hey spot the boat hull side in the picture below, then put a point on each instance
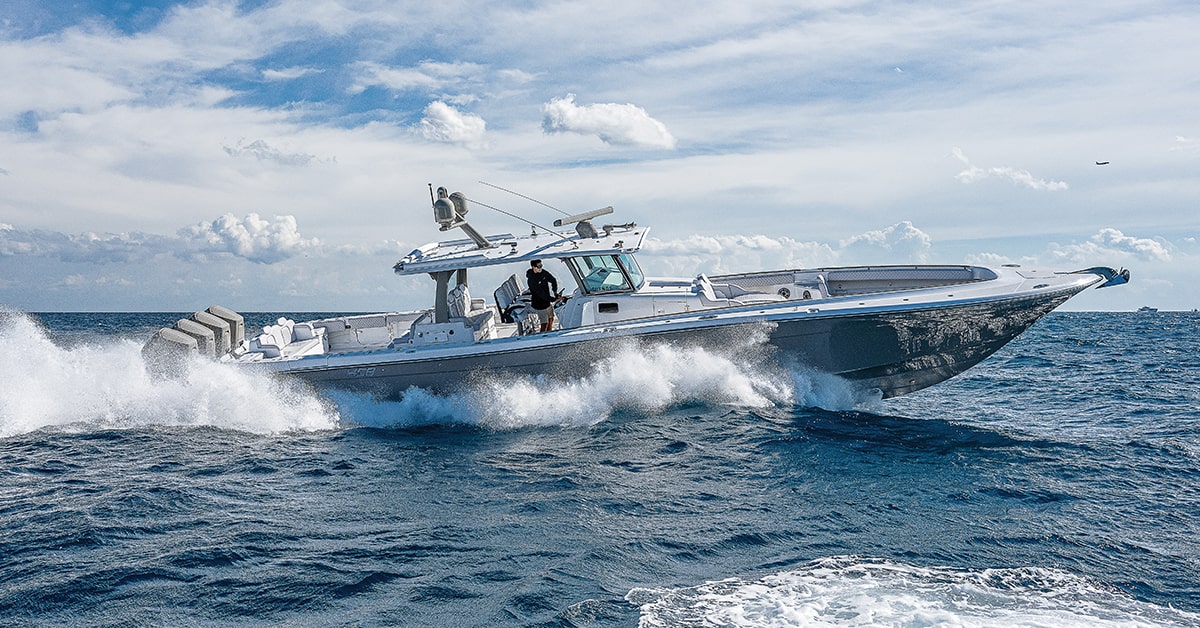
(901, 352)
(894, 351)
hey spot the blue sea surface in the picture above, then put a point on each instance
(1055, 484)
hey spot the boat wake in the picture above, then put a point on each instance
(642, 378)
(105, 385)
(854, 591)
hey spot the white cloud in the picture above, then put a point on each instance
(1186, 145)
(88, 66)
(519, 77)
(426, 76)
(263, 151)
(372, 74)
(902, 239)
(974, 173)
(87, 248)
(1145, 248)
(730, 253)
(1113, 243)
(717, 245)
(443, 123)
(287, 74)
(899, 243)
(993, 259)
(625, 125)
(804, 118)
(253, 238)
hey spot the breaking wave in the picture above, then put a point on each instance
(853, 591)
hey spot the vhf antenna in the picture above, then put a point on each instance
(528, 198)
(529, 222)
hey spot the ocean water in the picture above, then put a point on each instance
(1056, 484)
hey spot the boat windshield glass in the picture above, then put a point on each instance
(632, 269)
(600, 273)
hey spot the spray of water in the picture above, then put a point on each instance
(106, 386)
(640, 377)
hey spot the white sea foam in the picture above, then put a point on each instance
(106, 386)
(640, 377)
(852, 591)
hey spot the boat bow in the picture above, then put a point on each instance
(1111, 277)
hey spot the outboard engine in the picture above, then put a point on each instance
(237, 324)
(219, 329)
(214, 333)
(205, 338)
(166, 353)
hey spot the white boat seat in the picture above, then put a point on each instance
(742, 295)
(482, 324)
(286, 337)
(473, 313)
(458, 300)
(460, 303)
(306, 331)
(267, 344)
(708, 295)
(286, 326)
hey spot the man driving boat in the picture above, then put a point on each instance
(543, 290)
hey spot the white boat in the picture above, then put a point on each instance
(890, 329)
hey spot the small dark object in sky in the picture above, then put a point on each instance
(1101, 163)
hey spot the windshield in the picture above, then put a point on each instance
(600, 273)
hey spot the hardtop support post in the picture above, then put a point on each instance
(441, 309)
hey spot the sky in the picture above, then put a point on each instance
(277, 155)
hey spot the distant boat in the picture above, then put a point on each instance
(1147, 309)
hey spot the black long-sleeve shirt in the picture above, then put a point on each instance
(542, 288)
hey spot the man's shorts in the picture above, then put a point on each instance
(544, 315)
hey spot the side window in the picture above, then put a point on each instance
(631, 267)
